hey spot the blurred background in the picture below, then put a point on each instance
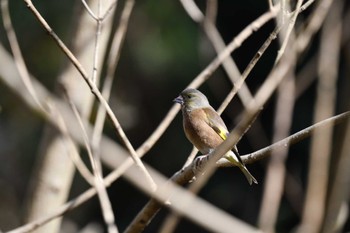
(163, 51)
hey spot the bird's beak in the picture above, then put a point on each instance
(179, 100)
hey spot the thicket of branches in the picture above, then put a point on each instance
(86, 130)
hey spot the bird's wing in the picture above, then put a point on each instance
(218, 125)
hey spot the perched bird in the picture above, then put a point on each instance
(204, 127)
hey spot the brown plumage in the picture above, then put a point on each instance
(204, 127)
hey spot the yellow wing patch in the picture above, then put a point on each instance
(222, 132)
(215, 122)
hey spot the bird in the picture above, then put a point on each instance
(205, 129)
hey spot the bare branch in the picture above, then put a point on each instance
(315, 21)
(321, 145)
(290, 140)
(88, 9)
(289, 30)
(248, 69)
(106, 206)
(96, 56)
(276, 169)
(95, 91)
(73, 151)
(338, 197)
(21, 66)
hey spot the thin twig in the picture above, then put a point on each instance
(96, 167)
(105, 14)
(83, 170)
(88, 9)
(248, 69)
(306, 5)
(17, 55)
(113, 57)
(289, 30)
(290, 140)
(315, 21)
(97, 132)
(109, 9)
(111, 68)
(252, 63)
(96, 57)
(228, 64)
(95, 91)
(192, 10)
(208, 25)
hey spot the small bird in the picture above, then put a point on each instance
(205, 129)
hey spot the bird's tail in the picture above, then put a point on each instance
(236, 160)
(247, 174)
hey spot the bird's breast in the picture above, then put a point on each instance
(198, 131)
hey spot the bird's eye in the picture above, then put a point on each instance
(189, 96)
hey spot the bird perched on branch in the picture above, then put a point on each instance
(205, 129)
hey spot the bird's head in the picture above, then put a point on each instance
(192, 99)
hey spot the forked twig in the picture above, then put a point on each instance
(106, 206)
(113, 57)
